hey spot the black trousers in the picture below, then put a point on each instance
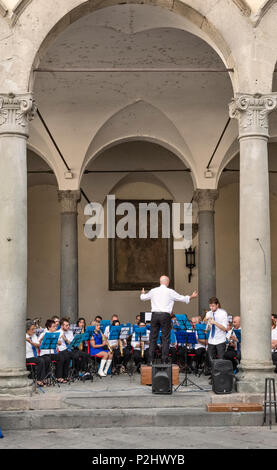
(122, 360)
(216, 351)
(138, 359)
(62, 360)
(42, 366)
(160, 320)
(231, 355)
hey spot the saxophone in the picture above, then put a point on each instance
(107, 342)
(142, 348)
(120, 346)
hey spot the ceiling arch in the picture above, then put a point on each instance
(140, 121)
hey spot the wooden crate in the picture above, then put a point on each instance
(234, 407)
(146, 375)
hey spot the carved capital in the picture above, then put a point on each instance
(205, 198)
(15, 113)
(252, 113)
(69, 200)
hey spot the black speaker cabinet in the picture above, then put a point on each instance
(162, 379)
(222, 376)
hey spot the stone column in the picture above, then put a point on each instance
(255, 267)
(205, 199)
(15, 112)
(69, 254)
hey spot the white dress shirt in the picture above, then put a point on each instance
(135, 343)
(273, 336)
(162, 299)
(221, 317)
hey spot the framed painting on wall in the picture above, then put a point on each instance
(135, 263)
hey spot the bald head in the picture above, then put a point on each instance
(236, 322)
(164, 281)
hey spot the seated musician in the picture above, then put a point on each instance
(99, 348)
(81, 325)
(232, 352)
(173, 347)
(61, 361)
(122, 351)
(32, 347)
(140, 347)
(79, 358)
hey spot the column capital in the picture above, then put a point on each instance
(205, 198)
(15, 113)
(252, 112)
(69, 200)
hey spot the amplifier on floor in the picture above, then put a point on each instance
(162, 379)
(222, 376)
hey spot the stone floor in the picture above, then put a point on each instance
(234, 437)
(122, 397)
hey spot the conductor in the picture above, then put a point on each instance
(162, 301)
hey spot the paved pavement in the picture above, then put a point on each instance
(144, 438)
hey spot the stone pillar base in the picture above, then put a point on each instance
(15, 382)
(253, 380)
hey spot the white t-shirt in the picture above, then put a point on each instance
(69, 335)
(162, 299)
(274, 336)
(145, 339)
(29, 349)
(221, 317)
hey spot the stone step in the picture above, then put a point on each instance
(105, 418)
(118, 401)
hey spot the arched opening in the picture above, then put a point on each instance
(43, 239)
(227, 229)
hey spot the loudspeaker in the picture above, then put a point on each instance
(222, 376)
(162, 379)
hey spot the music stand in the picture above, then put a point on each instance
(77, 340)
(186, 337)
(50, 341)
(203, 333)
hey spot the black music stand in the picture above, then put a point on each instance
(50, 341)
(189, 338)
(203, 333)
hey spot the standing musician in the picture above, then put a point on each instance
(218, 321)
(140, 347)
(99, 348)
(162, 301)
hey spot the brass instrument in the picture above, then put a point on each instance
(142, 348)
(107, 342)
(36, 322)
(120, 346)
